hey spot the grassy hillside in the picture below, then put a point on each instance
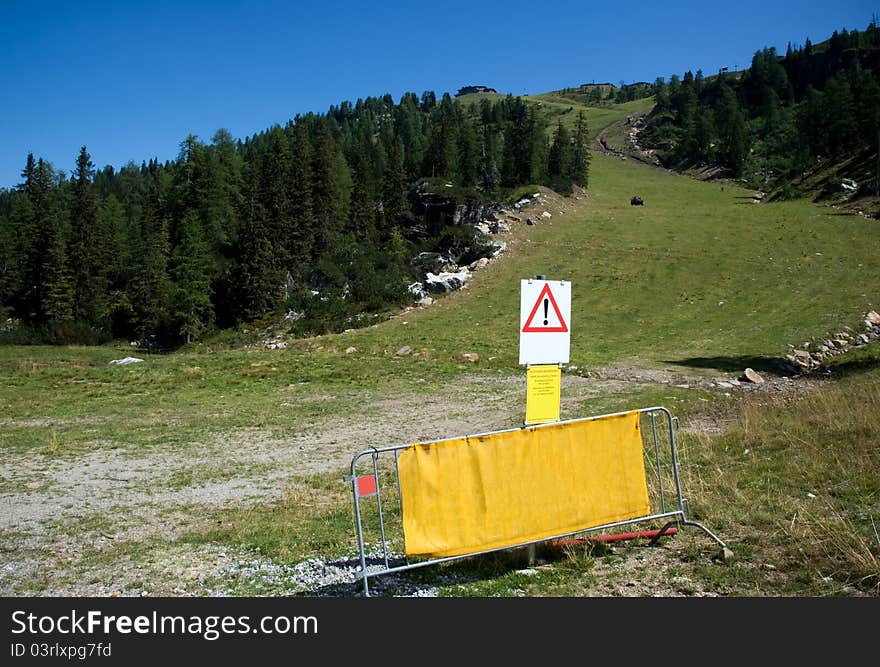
(699, 271)
(176, 471)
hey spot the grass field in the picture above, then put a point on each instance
(175, 475)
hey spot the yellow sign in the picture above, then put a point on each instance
(492, 491)
(542, 394)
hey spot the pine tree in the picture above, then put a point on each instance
(580, 165)
(86, 245)
(327, 190)
(362, 210)
(394, 205)
(468, 156)
(58, 289)
(560, 159)
(732, 132)
(191, 269)
(151, 290)
(302, 214)
(257, 282)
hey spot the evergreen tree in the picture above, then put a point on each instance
(191, 269)
(327, 189)
(468, 155)
(580, 165)
(301, 208)
(362, 211)
(151, 289)
(87, 246)
(394, 204)
(560, 159)
(732, 132)
(257, 281)
(58, 290)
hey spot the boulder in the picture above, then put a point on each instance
(546, 214)
(417, 290)
(402, 352)
(471, 356)
(351, 350)
(446, 282)
(873, 317)
(479, 264)
(752, 376)
(126, 361)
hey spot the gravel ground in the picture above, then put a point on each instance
(63, 520)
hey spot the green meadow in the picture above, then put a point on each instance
(224, 448)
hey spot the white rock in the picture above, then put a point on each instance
(127, 360)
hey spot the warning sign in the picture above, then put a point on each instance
(545, 322)
(551, 321)
(543, 390)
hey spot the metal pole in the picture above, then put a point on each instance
(531, 550)
(379, 504)
(657, 458)
(360, 532)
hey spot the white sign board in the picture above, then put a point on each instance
(544, 322)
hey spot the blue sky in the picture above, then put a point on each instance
(131, 79)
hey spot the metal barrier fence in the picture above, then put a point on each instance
(666, 498)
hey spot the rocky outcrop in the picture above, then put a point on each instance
(446, 282)
(811, 355)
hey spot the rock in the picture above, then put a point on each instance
(546, 214)
(529, 221)
(498, 248)
(752, 376)
(417, 290)
(446, 282)
(841, 343)
(873, 317)
(725, 385)
(275, 345)
(126, 361)
(801, 354)
(351, 350)
(402, 352)
(479, 264)
(425, 301)
(725, 554)
(522, 202)
(499, 228)
(864, 338)
(471, 356)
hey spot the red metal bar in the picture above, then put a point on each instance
(614, 538)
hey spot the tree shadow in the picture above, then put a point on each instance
(731, 364)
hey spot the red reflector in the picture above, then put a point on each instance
(366, 485)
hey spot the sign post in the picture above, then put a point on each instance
(544, 343)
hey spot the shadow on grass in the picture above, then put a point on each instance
(736, 364)
(487, 571)
(854, 366)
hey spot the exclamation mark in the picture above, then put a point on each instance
(546, 304)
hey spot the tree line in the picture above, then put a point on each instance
(776, 118)
(314, 216)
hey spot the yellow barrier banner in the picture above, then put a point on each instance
(488, 492)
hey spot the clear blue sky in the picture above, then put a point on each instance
(131, 79)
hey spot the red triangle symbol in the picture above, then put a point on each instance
(562, 327)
